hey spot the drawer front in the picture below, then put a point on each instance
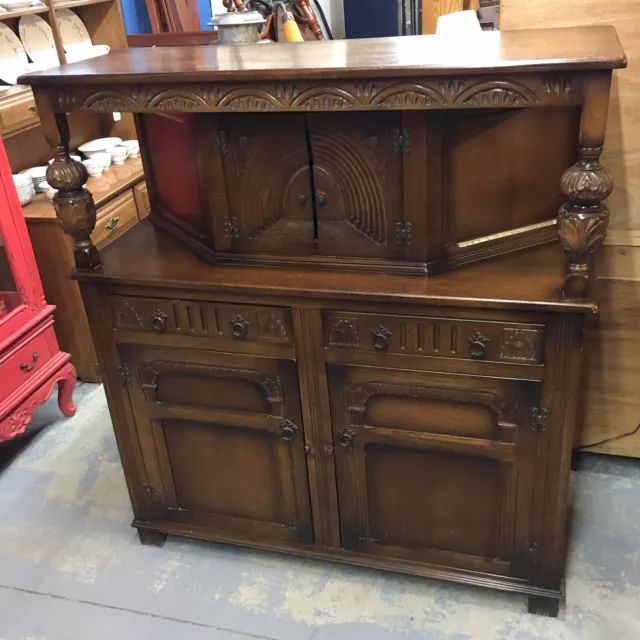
(141, 195)
(114, 219)
(435, 337)
(18, 113)
(27, 360)
(237, 322)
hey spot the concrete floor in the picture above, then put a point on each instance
(71, 568)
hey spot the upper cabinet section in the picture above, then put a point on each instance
(410, 154)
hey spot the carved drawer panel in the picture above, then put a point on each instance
(435, 337)
(236, 322)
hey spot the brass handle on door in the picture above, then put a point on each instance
(33, 108)
(347, 437)
(288, 430)
(113, 223)
(26, 367)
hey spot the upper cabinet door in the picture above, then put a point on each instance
(357, 173)
(262, 162)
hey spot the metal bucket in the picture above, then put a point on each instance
(238, 27)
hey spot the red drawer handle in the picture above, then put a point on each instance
(26, 367)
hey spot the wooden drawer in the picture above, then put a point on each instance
(114, 218)
(27, 360)
(237, 322)
(141, 195)
(17, 112)
(435, 337)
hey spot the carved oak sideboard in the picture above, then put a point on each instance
(361, 400)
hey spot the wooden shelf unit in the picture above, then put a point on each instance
(27, 11)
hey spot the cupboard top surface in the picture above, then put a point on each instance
(530, 279)
(579, 48)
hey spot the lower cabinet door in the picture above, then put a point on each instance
(435, 468)
(222, 441)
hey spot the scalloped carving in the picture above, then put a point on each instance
(111, 101)
(250, 100)
(498, 93)
(172, 100)
(325, 98)
(409, 95)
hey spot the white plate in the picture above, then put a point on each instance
(72, 30)
(12, 5)
(13, 57)
(80, 52)
(98, 146)
(37, 38)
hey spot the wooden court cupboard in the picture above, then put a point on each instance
(347, 330)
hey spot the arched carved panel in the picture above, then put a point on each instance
(409, 95)
(497, 93)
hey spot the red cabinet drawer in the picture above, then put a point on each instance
(21, 363)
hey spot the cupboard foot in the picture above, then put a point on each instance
(65, 392)
(151, 538)
(543, 606)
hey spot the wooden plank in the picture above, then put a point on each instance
(611, 405)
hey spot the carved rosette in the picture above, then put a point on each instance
(74, 206)
(584, 218)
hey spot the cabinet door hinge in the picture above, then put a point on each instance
(404, 233)
(125, 377)
(231, 229)
(539, 419)
(220, 143)
(401, 141)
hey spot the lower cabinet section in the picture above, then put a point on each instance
(434, 468)
(222, 441)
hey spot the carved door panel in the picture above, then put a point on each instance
(265, 162)
(435, 468)
(222, 441)
(357, 173)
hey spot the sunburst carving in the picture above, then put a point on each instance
(253, 100)
(499, 93)
(409, 95)
(325, 98)
(110, 102)
(178, 101)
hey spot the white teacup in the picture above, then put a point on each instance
(118, 155)
(47, 190)
(133, 147)
(94, 167)
(103, 158)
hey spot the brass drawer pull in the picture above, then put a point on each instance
(113, 223)
(381, 338)
(33, 108)
(26, 367)
(238, 327)
(478, 345)
(158, 320)
(288, 430)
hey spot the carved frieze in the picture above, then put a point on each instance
(519, 344)
(421, 93)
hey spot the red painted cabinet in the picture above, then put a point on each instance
(31, 362)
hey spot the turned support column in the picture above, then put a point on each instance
(584, 217)
(73, 204)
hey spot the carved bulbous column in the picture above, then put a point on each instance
(74, 206)
(584, 218)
